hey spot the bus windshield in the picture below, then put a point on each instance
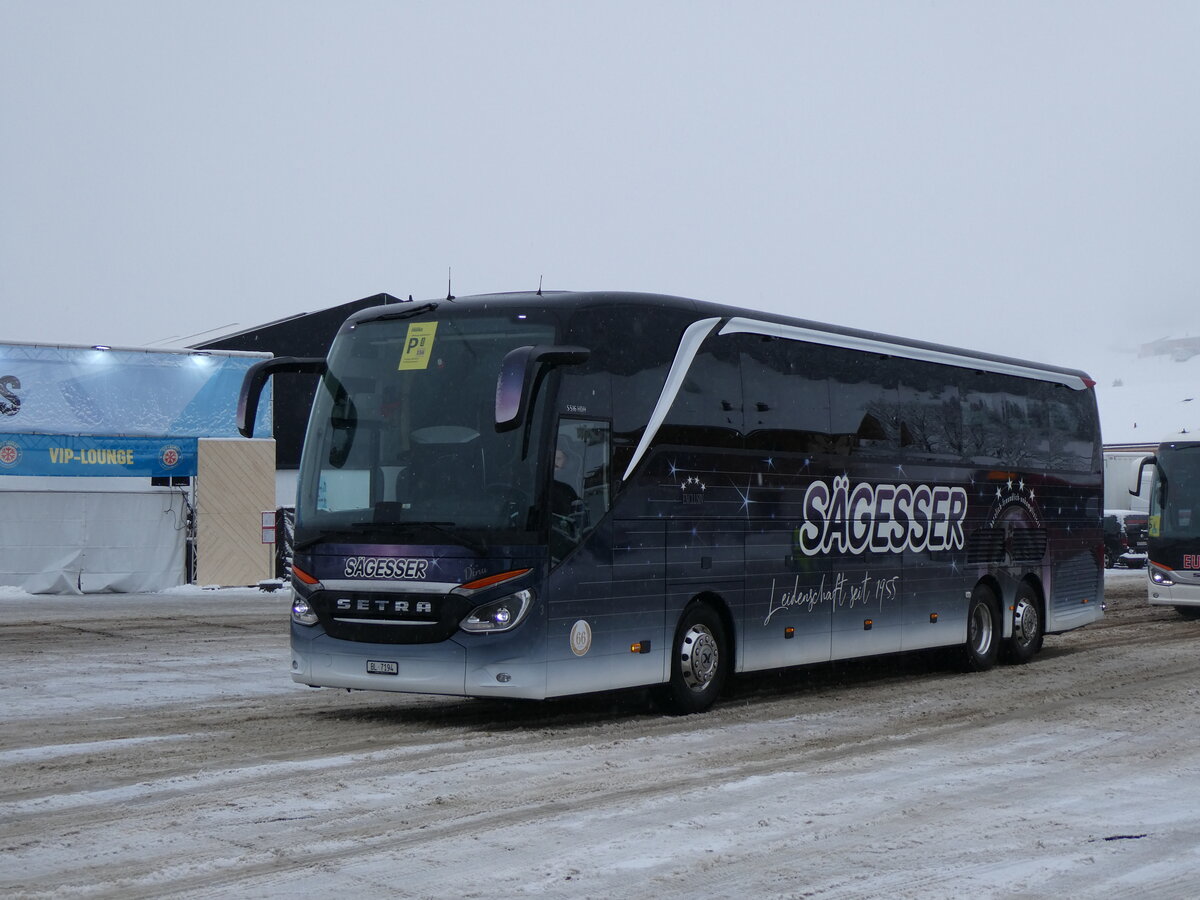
(1175, 500)
(402, 443)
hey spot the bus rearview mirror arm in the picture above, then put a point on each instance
(256, 378)
(1146, 461)
(521, 374)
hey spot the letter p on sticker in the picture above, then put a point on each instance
(418, 345)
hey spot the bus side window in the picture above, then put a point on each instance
(579, 494)
(931, 426)
(786, 386)
(707, 411)
(1072, 427)
(865, 401)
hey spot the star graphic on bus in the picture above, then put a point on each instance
(1012, 500)
(745, 496)
(693, 490)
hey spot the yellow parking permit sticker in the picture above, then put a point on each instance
(418, 345)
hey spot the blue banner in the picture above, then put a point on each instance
(70, 454)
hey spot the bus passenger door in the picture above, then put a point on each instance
(606, 610)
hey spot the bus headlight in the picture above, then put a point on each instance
(1160, 575)
(499, 615)
(302, 612)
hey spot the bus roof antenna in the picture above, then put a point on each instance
(539, 293)
(449, 293)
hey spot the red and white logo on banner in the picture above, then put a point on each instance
(10, 453)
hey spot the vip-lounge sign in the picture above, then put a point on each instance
(72, 454)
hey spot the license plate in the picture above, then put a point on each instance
(382, 667)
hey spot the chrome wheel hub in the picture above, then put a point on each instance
(981, 630)
(1025, 622)
(699, 657)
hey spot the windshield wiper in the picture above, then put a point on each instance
(407, 313)
(446, 529)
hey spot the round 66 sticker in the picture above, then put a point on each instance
(10, 454)
(581, 638)
(170, 456)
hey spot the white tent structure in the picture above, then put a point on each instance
(99, 452)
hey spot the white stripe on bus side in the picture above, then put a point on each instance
(689, 345)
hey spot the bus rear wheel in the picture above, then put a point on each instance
(1028, 629)
(699, 662)
(979, 652)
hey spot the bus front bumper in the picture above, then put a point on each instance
(1173, 587)
(481, 669)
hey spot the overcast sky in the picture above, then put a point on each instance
(1019, 177)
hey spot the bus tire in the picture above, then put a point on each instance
(1028, 627)
(979, 652)
(1188, 612)
(699, 662)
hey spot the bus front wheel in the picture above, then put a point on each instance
(980, 650)
(699, 662)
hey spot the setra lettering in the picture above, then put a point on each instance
(381, 605)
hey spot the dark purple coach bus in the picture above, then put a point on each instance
(542, 494)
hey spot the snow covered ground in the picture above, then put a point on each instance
(154, 745)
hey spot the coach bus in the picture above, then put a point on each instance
(544, 494)
(1173, 537)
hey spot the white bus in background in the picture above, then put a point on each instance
(1173, 536)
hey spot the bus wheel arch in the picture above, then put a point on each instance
(701, 657)
(717, 602)
(1028, 622)
(978, 653)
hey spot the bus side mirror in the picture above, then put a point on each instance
(256, 377)
(520, 373)
(1146, 461)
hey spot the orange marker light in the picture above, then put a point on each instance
(303, 576)
(481, 583)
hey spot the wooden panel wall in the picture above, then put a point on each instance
(235, 485)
